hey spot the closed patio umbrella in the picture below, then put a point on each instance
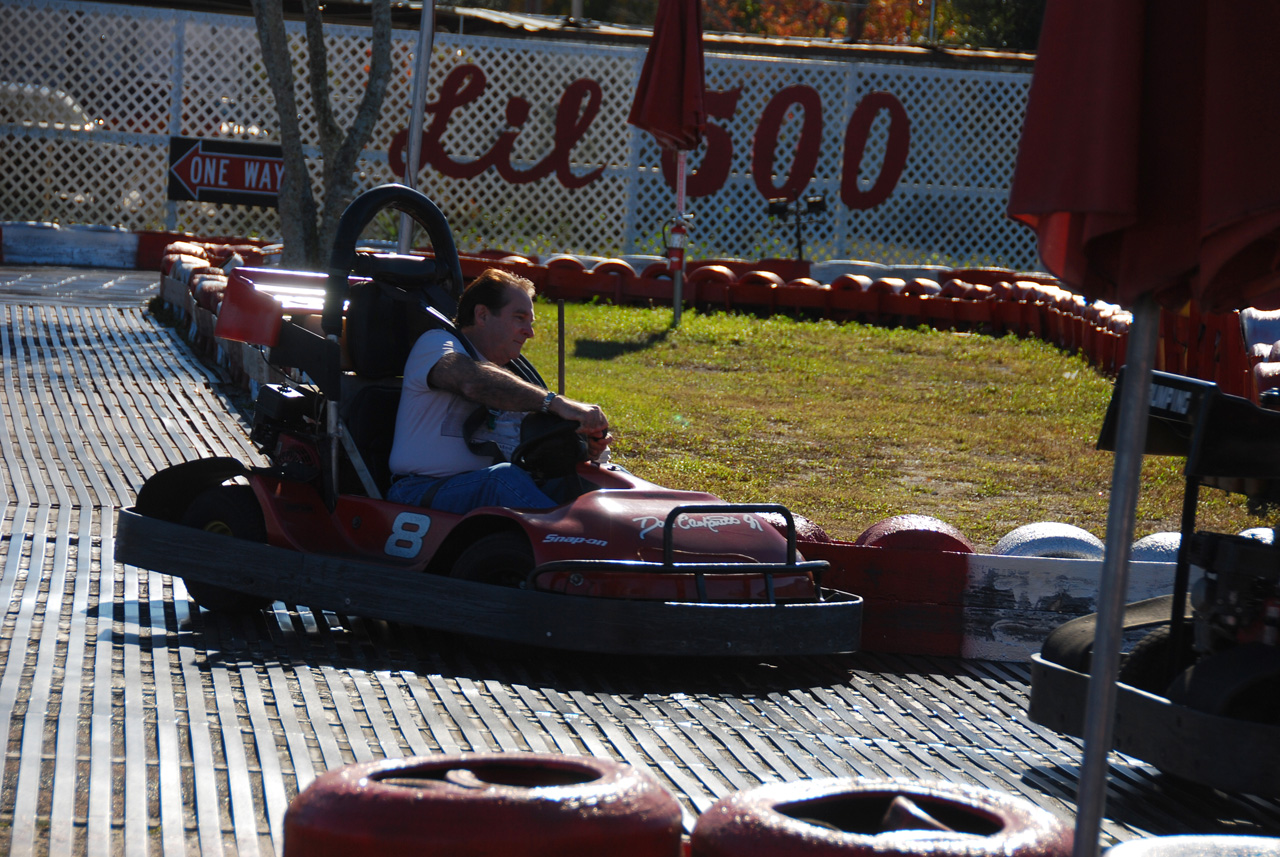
(668, 104)
(1148, 170)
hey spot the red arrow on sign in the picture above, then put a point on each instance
(199, 170)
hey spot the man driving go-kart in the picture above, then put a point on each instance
(463, 402)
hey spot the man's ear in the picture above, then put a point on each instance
(482, 313)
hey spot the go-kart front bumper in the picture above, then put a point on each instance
(569, 622)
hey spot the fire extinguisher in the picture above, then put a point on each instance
(677, 238)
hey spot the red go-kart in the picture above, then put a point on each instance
(626, 566)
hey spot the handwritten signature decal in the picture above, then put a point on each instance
(712, 522)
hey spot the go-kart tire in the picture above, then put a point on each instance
(229, 510)
(477, 804)
(841, 817)
(1147, 666)
(502, 559)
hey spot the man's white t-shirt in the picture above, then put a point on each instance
(429, 438)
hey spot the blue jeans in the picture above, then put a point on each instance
(499, 485)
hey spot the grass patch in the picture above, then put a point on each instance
(848, 424)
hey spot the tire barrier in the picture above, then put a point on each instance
(1209, 845)
(915, 532)
(994, 300)
(474, 804)
(1050, 539)
(1263, 534)
(836, 817)
(1157, 547)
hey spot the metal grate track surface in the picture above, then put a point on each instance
(137, 724)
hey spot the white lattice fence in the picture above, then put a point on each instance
(504, 161)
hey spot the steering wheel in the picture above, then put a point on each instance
(550, 446)
(440, 278)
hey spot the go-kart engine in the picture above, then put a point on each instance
(280, 409)
(1238, 598)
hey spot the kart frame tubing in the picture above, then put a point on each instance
(1221, 752)
(574, 623)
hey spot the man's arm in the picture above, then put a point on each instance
(494, 387)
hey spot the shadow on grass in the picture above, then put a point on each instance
(602, 349)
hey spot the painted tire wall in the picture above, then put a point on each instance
(843, 817)
(510, 804)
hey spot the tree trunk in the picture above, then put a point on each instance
(308, 240)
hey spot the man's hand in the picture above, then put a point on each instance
(597, 444)
(591, 420)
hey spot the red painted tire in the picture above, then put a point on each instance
(921, 287)
(564, 263)
(893, 285)
(1003, 290)
(474, 804)
(711, 274)
(843, 817)
(851, 283)
(915, 532)
(806, 531)
(614, 266)
(761, 278)
(656, 271)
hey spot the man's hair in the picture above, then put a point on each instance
(493, 290)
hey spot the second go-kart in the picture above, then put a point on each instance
(626, 566)
(1199, 694)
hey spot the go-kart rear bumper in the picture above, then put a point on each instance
(1222, 752)
(515, 615)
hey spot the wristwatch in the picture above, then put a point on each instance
(546, 403)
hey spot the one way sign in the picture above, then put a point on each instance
(225, 171)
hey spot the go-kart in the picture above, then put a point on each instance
(623, 566)
(1199, 693)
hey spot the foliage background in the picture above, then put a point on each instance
(1012, 25)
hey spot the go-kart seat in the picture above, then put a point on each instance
(370, 418)
(382, 324)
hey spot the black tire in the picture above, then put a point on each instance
(228, 510)
(1148, 665)
(503, 559)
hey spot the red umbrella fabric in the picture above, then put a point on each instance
(1148, 162)
(668, 102)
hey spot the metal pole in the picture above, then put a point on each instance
(933, 11)
(560, 345)
(421, 73)
(679, 236)
(1100, 706)
(799, 235)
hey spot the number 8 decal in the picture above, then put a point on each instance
(407, 532)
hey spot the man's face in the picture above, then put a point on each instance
(503, 333)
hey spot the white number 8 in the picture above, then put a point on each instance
(407, 533)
